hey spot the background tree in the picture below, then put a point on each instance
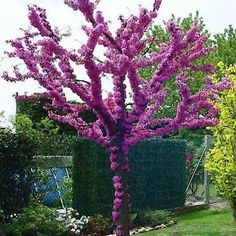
(118, 127)
(224, 50)
(221, 160)
(33, 109)
(53, 137)
(161, 32)
(48, 136)
(225, 44)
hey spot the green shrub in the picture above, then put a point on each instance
(36, 220)
(221, 160)
(97, 226)
(16, 152)
(152, 218)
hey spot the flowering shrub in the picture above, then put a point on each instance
(73, 222)
(38, 219)
(118, 125)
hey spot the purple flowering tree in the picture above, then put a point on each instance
(120, 123)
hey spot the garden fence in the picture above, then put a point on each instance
(200, 188)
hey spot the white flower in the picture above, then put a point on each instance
(72, 223)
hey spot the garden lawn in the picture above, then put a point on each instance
(202, 223)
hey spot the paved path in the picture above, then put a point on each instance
(218, 205)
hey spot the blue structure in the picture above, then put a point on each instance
(54, 187)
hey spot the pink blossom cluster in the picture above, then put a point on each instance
(118, 125)
(189, 157)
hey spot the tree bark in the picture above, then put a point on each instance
(121, 205)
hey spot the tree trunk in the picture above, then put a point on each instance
(121, 204)
(123, 220)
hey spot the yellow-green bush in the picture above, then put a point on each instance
(221, 160)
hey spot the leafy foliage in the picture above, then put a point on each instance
(221, 161)
(45, 134)
(16, 152)
(36, 220)
(97, 226)
(226, 46)
(33, 109)
(40, 220)
(152, 218)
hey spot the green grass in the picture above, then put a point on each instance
(200, 223)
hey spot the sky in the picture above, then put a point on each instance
(217, 15)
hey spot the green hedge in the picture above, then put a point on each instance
(92, 179)
(157, 178)
(156, 181)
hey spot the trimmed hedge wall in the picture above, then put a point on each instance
(92, 179)
(156, 181)
(158, 174)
